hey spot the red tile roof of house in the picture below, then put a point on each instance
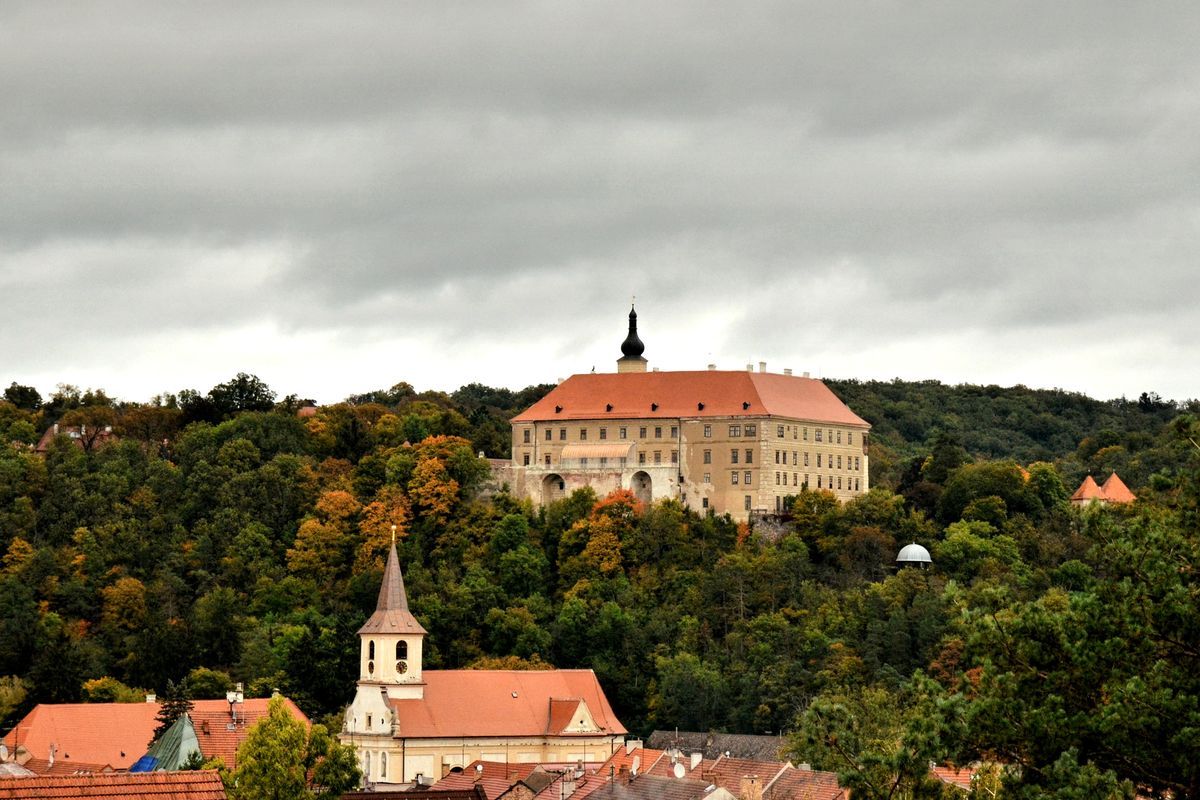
(779, 779)
(665, 395)
(500, 703)
(955, 777)
(190, 785)
(1115, 490)
(494, 777)
(117, 734)
(1088, 490)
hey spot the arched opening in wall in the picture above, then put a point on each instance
(456, 770)
(642, 488)
(553, 488)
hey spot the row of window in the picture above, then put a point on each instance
(781, 479)
(401, 650)
(829, 435)
(603, 460)
(852, 462)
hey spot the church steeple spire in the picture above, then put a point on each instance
(632, 348)
(391, 609)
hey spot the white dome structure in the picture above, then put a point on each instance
(913, 554)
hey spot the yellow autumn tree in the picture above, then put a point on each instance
(389, 508)
(432, 490)
(326, 541)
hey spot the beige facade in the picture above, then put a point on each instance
(729, 464)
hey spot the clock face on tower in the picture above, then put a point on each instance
(401, 667)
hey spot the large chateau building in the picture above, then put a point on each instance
(407, 722)
(735, 442)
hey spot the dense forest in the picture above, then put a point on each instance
(224, 536)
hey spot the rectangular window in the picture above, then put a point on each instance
(818, 481)
(641, 433)
(658, 432)
(603, 461)
(849, 437)
(752, 430)
(794, 462)
(604, 433)
(708, 477)
(583, 434)
(857, 464)
(641, 458)
(527, 434)
(839, 481)
(704, 502)
(779, 431)
(806, 433)
(806, 480)
(547, 459)
(747, 502)
(674, 431)
(830, 432)
(856, 485)
(708, 431)
(735, 431)
(776, 456)
(549, 434)
(658, 456)
(708, 456)
(733, 456)
(562, 434)
(622, 432)
(839, 462)
(818, 459)
(747, 478)
(583, 462)
(795, 479)
(806, 458)
(818, 434)
(733, 478)
(749, 456)
(776, 478)
(674, 456)
(527, 459)
(839, 437)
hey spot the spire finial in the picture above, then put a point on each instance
(393, 536)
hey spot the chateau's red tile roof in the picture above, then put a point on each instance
(190, 785)
(85, 735)
(500, 703)
(665, 395)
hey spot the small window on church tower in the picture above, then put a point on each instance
(401, 649)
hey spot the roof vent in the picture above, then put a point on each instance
(699, 406)
(749, 368)
(787, 371)
(558, 409)
(712, 367)
(654, 369)
(654, 406)
(745, 406)
(608, 406)
(762, 366)
(806, 373)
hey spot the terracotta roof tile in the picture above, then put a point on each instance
(118, 734)
(191, 785)
(955, 777)
(1088, 490)
(494, 777)
(1114, 490)
(664, 395)
(500, 703)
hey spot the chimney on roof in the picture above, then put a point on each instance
(751, 788)
(697, 757)
(749, 368)
(804, 766)
(632, 744)
(787, 371)
(712, 367)
(806, 373)
(762, 366)
(151, 697)
(654, 369)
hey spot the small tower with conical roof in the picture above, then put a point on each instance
(632, 348)
(392, 639)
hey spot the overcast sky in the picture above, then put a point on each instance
(337, 197)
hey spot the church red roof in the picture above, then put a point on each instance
(711, 393)
(507, 703)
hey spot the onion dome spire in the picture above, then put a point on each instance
(632, 348)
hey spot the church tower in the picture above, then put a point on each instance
(632, 348)
(392, 640)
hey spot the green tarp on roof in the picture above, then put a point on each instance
(172, 750)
